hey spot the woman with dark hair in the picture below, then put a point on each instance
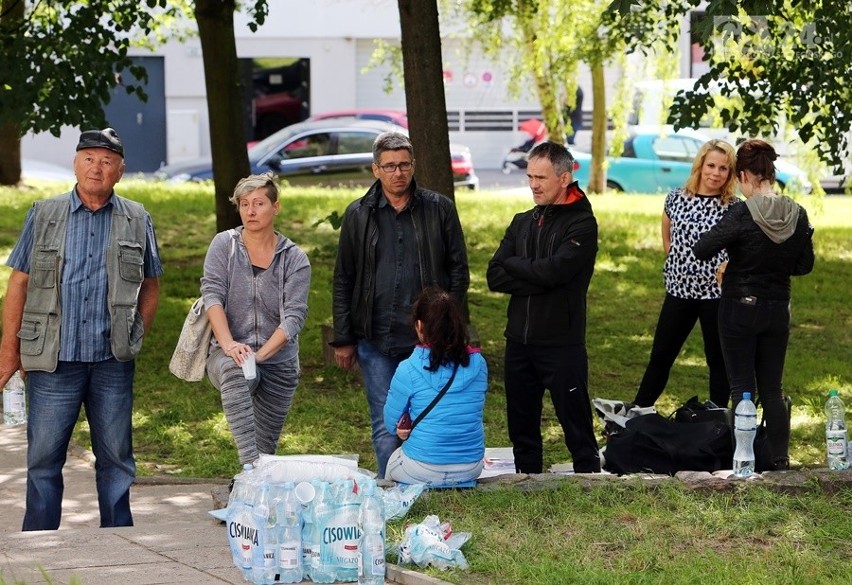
(692, 293)
(448, 444)
(768, 240)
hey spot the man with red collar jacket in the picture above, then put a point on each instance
(545, 262)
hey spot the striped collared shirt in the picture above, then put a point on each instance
(84, 333)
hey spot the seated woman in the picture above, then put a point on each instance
(448, 444)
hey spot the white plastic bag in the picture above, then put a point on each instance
(398, 499)
(433, 543)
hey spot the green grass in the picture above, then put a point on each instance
(626, 533)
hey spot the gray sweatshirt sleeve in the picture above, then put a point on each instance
(214, 281)
(297, 284)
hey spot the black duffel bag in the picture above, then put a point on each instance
(655, 444)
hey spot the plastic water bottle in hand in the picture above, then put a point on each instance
(835, 432)
(745, 429)
(14, 402)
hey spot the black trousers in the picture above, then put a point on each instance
(754, 334)
(564, 370)
(677, 319)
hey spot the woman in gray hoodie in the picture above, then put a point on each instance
(255, 289)
(769, 239)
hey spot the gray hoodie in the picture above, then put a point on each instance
(256, 305)
(776, 216)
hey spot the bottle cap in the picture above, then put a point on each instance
(832, 392)
(746, 395)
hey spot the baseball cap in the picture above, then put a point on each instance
(106, 138)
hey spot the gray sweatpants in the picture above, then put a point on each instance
(255, 409)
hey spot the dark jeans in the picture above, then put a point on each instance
(564, 370)
(754, 338)
(677, 318)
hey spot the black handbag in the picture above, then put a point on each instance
(694, 411)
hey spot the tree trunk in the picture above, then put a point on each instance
(424, 94)
(11, 16)
(224, 85)
(597, 176)
(551, 113)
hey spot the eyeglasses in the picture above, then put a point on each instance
(392, 167)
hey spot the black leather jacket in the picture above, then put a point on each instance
(545, 261)
(757, 266)
(440, 244)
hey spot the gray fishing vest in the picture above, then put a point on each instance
(125, 255)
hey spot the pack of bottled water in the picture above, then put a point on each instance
(283, 532)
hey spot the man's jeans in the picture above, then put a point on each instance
(378, 370)
(106, 390)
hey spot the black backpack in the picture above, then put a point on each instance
(652, 443)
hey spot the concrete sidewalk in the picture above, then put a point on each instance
(174, 540)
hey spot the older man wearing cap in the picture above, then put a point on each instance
(84, 289)
(545, 262)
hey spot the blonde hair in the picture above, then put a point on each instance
(727, 189)
(252, 183)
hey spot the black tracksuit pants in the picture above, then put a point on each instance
(564, 370)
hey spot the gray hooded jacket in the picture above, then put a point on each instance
(257, 304)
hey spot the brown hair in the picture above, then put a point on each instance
(757, 157)
(443, 327)
(694, 179)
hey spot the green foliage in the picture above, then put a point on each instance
(787, 60)
(60, 59)
(179, 426)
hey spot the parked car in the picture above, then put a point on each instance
(329, 153)
(398, 117)
(43, 171)
(657, 160)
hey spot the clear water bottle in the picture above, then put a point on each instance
(289, 536)
(745, 429)
(371, 518)
(835, 432)
(265, 561)
(242, 490)
(322, 571)
(14, 401)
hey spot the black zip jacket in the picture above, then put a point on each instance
(440, 245)
(545, 261)
(757, 266)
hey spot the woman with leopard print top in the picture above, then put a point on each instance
(692, 293)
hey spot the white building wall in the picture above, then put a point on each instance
(337, 36)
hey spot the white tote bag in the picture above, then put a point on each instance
(189, 359)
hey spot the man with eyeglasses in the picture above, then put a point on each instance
(394, 241)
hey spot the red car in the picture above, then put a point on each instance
(397, 117)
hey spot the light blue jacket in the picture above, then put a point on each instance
(452, 432)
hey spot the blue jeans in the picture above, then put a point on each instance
(404, 469)
(106, 390)
(378, 370)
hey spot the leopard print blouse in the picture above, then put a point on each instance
(687, 277)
